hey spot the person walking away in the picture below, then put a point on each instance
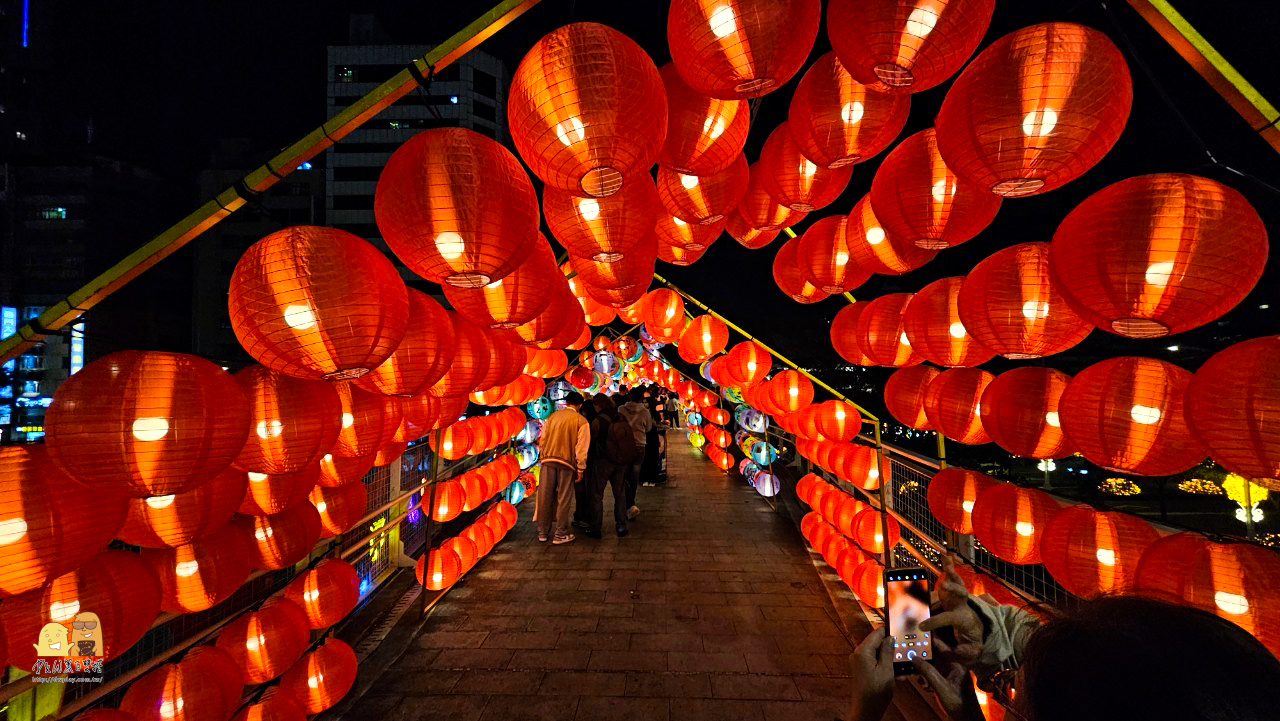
(613, 452)
(672, 407)
(582, 491)
(565, 442)
(636, 412)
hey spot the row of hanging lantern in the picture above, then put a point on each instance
(849, 535)
(442, 566)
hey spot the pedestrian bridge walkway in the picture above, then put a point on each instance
(710, 609)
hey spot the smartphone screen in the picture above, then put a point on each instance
(907, 606)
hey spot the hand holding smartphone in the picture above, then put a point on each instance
(906, 592)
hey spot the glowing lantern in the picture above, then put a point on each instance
(856, 464)
(952, 495)
(868, 583)
(952, 402)
(146, 423)
(904, 394)
(282, 539)
(932, 323)
(1008, 305)
(465, 549)
(846, 512)
(748, 363)
(481, 535)
(793, 279)
(630, 270)
(874, 533)
(367, 421)
(587, 109)
(321, 678)
(748, 237)
(760, 211)
(514, 299)
(1164, 565)
(873, 247)
(790, 391)
(706, 199)
(1020, 409)
(340, 507)
(266, 642)
(183, 691)
(663, 309)
(823, 252)
(201, 574)
(439, 569)
(423, 356)
(449, 500)
(837, 121)
(111, 714)
(1093, 552)
(505, 361)
(704, 337)
(326, 593)
(422, 413)
(704, 135)
(315, 302)
(741, 48)
(274, 705)
(844, 336)
(880, 332)
(457, 208)
(179, 518)
(1229, 402)
(1009, 521)
(1158, 254)
(471, 359)
(793, 180)
(838, 420)
(1051, 99)
(293, 422)
(1238, 582)
(602, 229)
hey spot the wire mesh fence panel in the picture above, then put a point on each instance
(910, 498)
(921, 546)
(1031, 579)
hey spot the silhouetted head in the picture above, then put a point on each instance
(603, 403)
(573, 399)
(636, 395)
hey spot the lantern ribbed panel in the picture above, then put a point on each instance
(1231, 402)
(1158, 254)
(900, 46)
(904, 394)
(703, 199)
(471, 358)
(748, 237)
(1020, 412)
(1008, 305)
(838, 420)
(844, 334)
(932, 323)
(663, 308)
(326, 593)
(449, 500)
(439, 568)
(877, 250)
(760, 210)
(339, 507)
(704, 337)
(466, 550)
(672, 232)
(457, 208)
(741, 48)
(792, 278)
(880, 332)
(676, 255)
(793, 180)
(1036, 109)
(199, 575)
(856, 464)
(1239, 582)
(1127, 414)
(421, 414)
(143, 423)
(274, 705)
(282, 539)
(1009, 521)
(846, 513)
(266, 642)
(952, 404)
(704, 135)
(1094, 552)
(367, 421)
(183, 691)
(317, 302)
(633, 269)
(874, 532)
(602, 229)
(218, 664)
(837, 121)
(789, 391)
(293, 422)
(563, 310)
(952, 494)
(180, 518)
(588, 110)
(422, 357)
(629, 293)
(823, 251)
(322, 677)
(505, 361)
(516, 299)
(748, 363)
(868, 583)
(917, 197)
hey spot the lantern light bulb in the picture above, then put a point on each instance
(852, 113)
(875, 235)
(1035, 309)
(1039, 123)
(158, 502)
(722, 21)
(12, 530)
(688, 181)
(1232, 603)
(1026, 529)
(1106, 556)
(1145, 415)
(921, 21)
(571, 131)
(348, 420)
(300, 317)
(150, 429)
(967, 506)
(957, 330)
(1159, 273)
(589, 208)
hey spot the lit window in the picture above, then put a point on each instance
(345, 75)
(53, 213)
(21, 135)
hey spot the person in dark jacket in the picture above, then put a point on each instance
(605, 471)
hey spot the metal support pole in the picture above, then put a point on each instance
(431, 507)
(942, 450)
(886, 558)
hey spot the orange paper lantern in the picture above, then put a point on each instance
(932, 323)
(951, 402)
(282, 539)
(874, 532)
(1094, 552)
(337, 471)
(704, 337)
(1238, 582)
(881, 335)
(266, 642)
(1009, 521)
(838, 420)
(748, 363)
(790, 391)
(904, 395)
(823, 251)
(514, 299)
(183, 691)
(368, 420)
(836, 121)
(705, 199)
(179, 518)
(793, 279)
(794, 181)
(439, 569)
(326, 593)
(879, 251)
(844, 335)
(274, 705)
(1020, 412)
(322, 677)
(422, 357)
(339, 507)
(704, 135)
(761, 212)
(449, 500)
(602, 229)
(1230, 402)
(953, 492)
(471, 358)
(203, 573)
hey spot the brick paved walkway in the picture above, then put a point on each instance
(710, 609)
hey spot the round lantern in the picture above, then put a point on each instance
(904, 395)
(1009, 521)
(505, 361)
(449, 498)
(632, 271)
(790, 391)
(751, 419)
(201, 574)
(705, 199)
(748, 363)
(1238, 582)
(1164, 565)
(704, 134)
(1019, 412)
(837, 121)
(1229, 402)
(741, 48)
(422, 413)
(952, 403)
(602, 229)
(183, 691)
(1158, 254)
(1051, 100)
(513, 300)
(874, 532)
(481, 535)
(915, 196)
(704, 337)
(178, 518)
(282, 539)
(868, 583)
(367, 421)
(663, 309)
(146, 423)
(793, 279)
(471, 359)
(748, 237)
(846, 512)
(293, 422)
(844, 336)
(875, 248)
(423, 356)
(759, 209)
(540, 408)
(1127, 414)
(321, 678)
(315, 302)
(1093, 552)
(465, 549)
(881, 335)
(1007, 304)
(266, 642)
(439, 569)
(898, 46)
(952, 495)
(838, 420)
(822, 251)
(457, 208)
(856, 464)
(326, 593)
(339, 508)
(588, 110)
(274, 705)
(932, 323)
(793, 180)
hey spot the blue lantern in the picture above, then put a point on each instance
(606, 363)
(763, 453)
(559, 390)
(527, 455)
(539, 408)
(531, 432)
(694, 418)
(514, 493)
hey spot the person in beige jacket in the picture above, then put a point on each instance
(566, 438)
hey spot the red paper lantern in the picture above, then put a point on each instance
(143, 424)
(1093, 552)
(1020, 409)
(904, 395)
(748, 363)
(917, 197)
(457, 208)
(952, 402)
(838, 420)
(856, 464)
(219, 664)
(790, 391)
(676, 255)
(506, 359)
(1008, 305)
(422, 413)
(1127, 414)
(874, 532)
(880, 332)
(663, 310)
(706, 199)
(1164, 565)
(704, 337)
(823, 251)
(316, 302)
(293, 422)
(449, 500)
(932, 323)
(422, 357)
(837, 121)
(952, 495)
(471, 359)
(266, 642)
(846, 512)
(513, 300)
(741, 48)
(183, 691)
(1009, 521)
(748, 237)
(482, 536)
(368, 420)
(340, 507)
(632, 271)
(49, 523)
(337, 471)
(1239, 582)
(1230, 402)
(588, 110)
(868, 583)
(326, 593)
(794, 181)
(282, 539)
(1051, 100)
(321, 678)
(906, 47)
(602, 229)
(704, 135)
(675, 234)
(793, 279)
(761, 212)
(274, 705)
(1158, 254)
(466, 550)
(203, 573)
(844, 335)
(507, 513)
(879, 251)
(179, 518)
(439, 569)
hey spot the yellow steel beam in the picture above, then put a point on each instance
(1261, 115)
(62, 313)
